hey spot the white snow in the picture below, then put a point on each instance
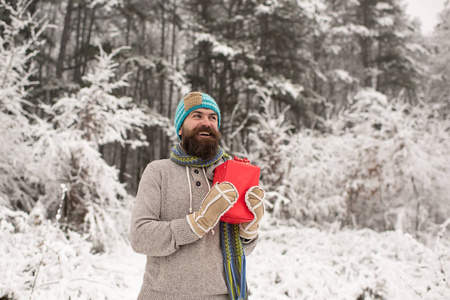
(290, 262)
(217, 47)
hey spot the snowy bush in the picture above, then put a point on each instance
(44, 262)
(270, 138)
(384, 166)
(398, 177)
(295, 262)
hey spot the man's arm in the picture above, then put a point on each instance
(148, 234)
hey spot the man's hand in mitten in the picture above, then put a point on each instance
(217, 202)
(254, 200)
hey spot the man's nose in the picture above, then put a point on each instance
(205, 122)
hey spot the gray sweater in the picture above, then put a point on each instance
(180, 266)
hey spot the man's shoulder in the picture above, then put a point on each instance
(162, 168)
(159, 162)
(162, 164)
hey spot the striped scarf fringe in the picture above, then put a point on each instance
(233, 261)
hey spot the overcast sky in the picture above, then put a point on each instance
(426, 10)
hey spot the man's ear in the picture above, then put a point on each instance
(179, 132)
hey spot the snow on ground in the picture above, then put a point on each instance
(290, 262)
(307, 263)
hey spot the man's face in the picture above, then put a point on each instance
(199, 133)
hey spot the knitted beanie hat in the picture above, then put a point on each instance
(193, 101)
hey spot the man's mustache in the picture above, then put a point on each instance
(213, 133)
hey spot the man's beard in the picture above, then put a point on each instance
(205, 148)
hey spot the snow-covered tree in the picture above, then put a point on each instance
(367, 43)
(398, 177)
(383, 165)
(94, 110)
(78, 124)
(17, 181)
(438, 84)
(269, 137)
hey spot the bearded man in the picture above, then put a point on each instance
(175, 220)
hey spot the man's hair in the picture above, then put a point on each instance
(191, 102)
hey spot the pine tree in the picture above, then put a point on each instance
(81, 123)
(19, 187)
(438, 85)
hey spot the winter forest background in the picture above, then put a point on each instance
(343, 104)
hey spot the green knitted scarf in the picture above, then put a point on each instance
(232, 248)
(180, 157)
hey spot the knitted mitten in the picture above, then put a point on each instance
(217, 202)
(254, 200)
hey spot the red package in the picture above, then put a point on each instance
(243, 176)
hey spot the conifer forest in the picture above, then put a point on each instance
(343, 104)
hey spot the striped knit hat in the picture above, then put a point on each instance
(193, 101)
